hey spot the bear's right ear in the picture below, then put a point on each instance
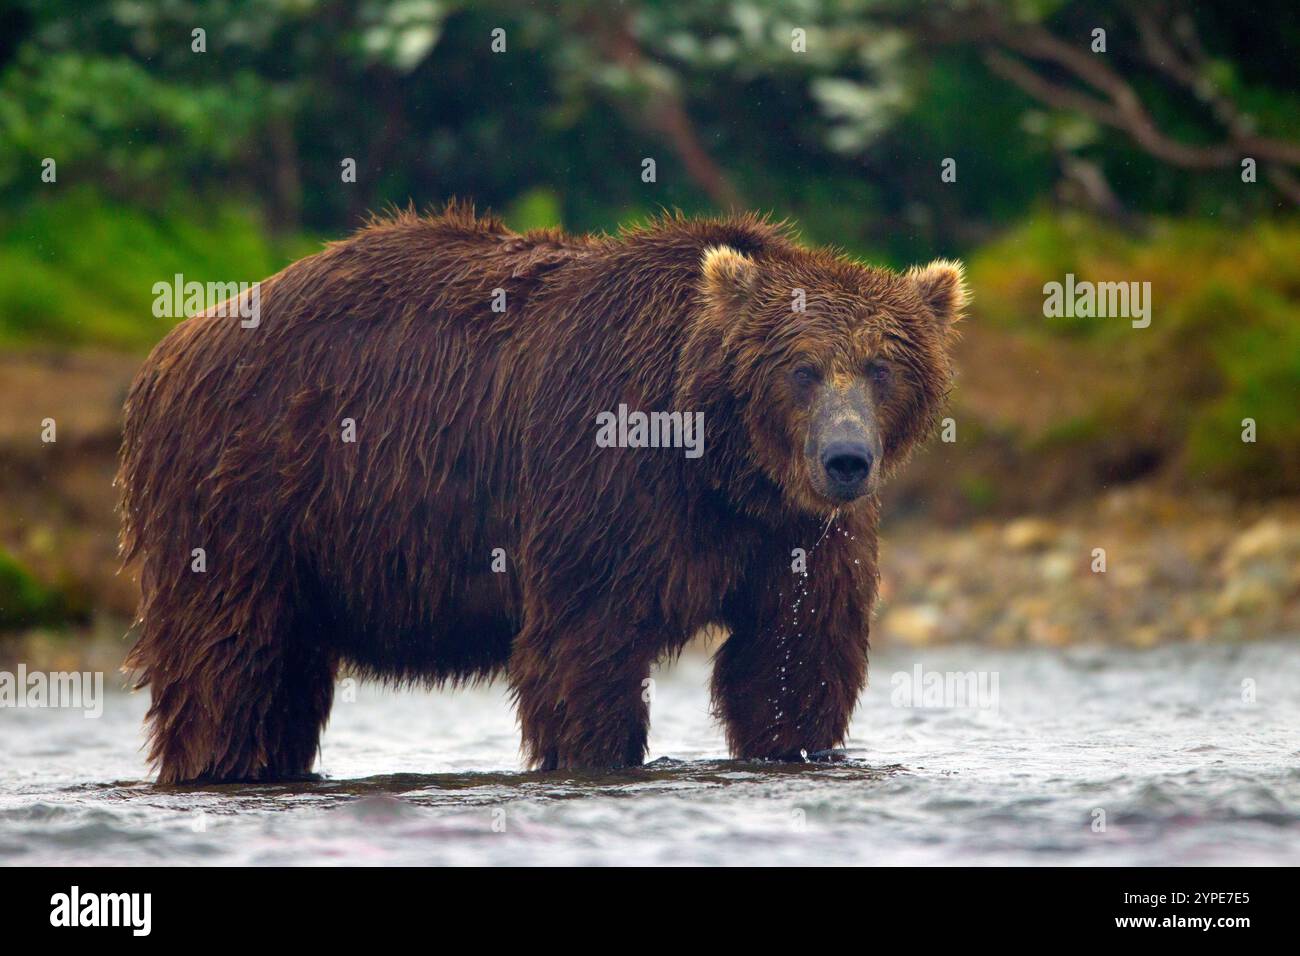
(728, 277)
(942, 287)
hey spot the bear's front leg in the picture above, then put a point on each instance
(787, 680)
(580, 690)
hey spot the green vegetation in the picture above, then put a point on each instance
(222, 157)
(24, 601)
(835, 114)
(1223, 345)
(78, 271)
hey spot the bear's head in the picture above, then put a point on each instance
(825, 372)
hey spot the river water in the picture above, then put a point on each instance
(1179, 755)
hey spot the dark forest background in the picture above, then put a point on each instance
(1171, 155)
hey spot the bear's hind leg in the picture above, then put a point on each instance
(239, 693)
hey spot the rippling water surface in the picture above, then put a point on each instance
(1185, 768)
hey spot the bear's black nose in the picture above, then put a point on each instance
(847, 465)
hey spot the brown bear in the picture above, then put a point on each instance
(409, 464)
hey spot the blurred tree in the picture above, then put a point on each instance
(837, 113)
(1154, 63)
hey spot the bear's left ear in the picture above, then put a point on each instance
(942, 287)
(727, 277)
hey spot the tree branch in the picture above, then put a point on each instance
(1284, 183)
(667, 115)
(1125, 110)
(1107, 97)
(1189, 73)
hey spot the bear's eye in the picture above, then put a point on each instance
(804, 376)
(878, 372)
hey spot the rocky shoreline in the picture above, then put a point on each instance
(1175, 569)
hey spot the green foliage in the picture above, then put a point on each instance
(979, 491)
(846, 136)
(77, 271)
(536, 209)
(1223, 344)
(24, 601)
(212, 164)
(109, 119)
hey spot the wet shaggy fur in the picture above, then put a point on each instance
(475, 430)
